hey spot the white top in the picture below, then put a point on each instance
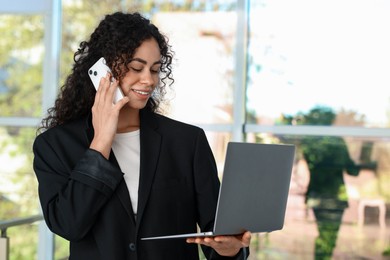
(126, 147)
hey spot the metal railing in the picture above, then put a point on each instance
(5, 224)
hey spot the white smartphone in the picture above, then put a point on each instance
(98, 71)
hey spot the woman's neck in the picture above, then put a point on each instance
(128, 120)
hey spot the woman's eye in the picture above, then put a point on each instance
(136, 69)
(155, 70)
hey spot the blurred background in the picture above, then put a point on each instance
(313, 73)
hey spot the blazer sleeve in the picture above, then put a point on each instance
(207, 190)
(72, 195)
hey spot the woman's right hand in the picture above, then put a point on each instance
(105, 115)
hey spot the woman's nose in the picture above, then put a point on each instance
(147, 78)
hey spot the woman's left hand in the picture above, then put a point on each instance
(224, 245)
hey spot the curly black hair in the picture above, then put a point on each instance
(116, 38)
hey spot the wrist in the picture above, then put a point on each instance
(101, 148)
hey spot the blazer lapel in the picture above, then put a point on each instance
(122, 192)
(150, 150)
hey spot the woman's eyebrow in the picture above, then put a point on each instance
(145, 62)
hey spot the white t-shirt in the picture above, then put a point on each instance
(126, 147)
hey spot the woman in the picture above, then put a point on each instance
(112, 173)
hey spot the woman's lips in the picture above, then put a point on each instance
(142, 93)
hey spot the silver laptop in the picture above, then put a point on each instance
(254, 190)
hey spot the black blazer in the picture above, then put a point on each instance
(84, 197)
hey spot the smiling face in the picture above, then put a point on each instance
(143, 75)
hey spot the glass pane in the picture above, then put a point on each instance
(23, 241)
(204, 64)
(61, 250)
(304, 54)
(339, 190)
(18, 189)
(18, 184)
(218, 143)
(21, 56)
